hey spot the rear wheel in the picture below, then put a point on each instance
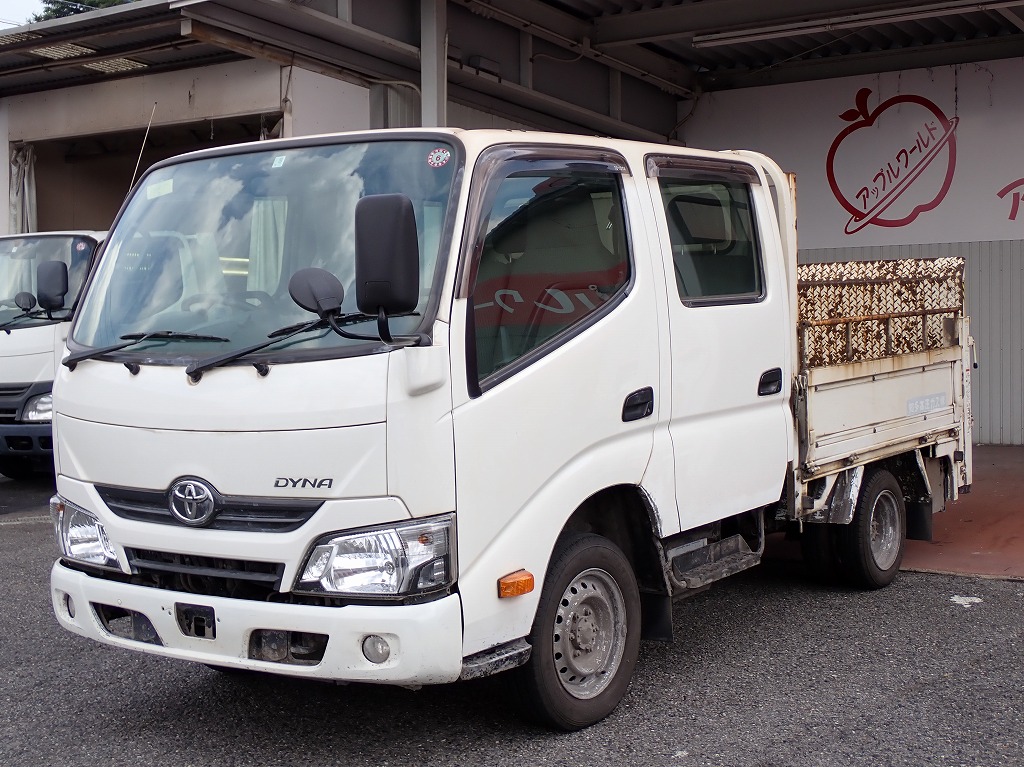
(873, 543)
(585, 637)
(819, 551)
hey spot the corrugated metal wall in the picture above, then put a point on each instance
(995, 304)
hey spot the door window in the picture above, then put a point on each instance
(553, 253)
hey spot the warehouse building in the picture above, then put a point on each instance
(900, 120)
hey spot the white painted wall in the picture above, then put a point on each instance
(317, 103)
(796, 124)
(461, 116)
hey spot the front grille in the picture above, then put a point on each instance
(8, 415)
(260, 515)
(14, 389)
(208, 576)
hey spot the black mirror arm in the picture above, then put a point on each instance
(383, 332)
(383, 329)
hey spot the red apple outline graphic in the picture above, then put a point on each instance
(859, 118)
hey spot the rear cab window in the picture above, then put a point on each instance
(709, 217)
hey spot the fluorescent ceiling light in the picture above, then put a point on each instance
(853, 21)
(65, 51)
(113, 66)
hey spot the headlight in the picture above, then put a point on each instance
(80, 535)
(410, 558)
(39, 408)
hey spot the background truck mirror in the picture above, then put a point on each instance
(52, 284)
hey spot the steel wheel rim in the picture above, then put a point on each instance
(885, 532)
(589, 634)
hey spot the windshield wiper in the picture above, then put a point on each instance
(26, 316)
(130, 339)
(196, 369)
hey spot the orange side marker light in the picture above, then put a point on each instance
(515, 584)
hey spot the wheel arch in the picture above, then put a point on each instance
(625, 515)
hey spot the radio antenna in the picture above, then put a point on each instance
(143, 147)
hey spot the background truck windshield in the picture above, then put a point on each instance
(208, 246)
(20, 258)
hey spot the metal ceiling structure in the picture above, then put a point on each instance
(623, 67)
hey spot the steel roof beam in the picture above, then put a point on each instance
(1013, 17)
(685, 21)
(847, 65)
(566, 31)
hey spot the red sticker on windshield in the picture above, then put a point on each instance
(439, 157)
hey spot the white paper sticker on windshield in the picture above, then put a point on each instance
(278, 161)
(159, 189)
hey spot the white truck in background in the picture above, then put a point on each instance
(411, 406)
(32, 333)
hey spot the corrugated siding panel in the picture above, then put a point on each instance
(995, 303)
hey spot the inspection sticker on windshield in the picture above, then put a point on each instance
(439, 157)
(159, 189)
(278, 161)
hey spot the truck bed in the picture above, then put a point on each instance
(884, 364)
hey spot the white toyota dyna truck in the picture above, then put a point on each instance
(414, 406)
(33, 327)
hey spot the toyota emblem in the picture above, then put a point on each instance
(192, 502)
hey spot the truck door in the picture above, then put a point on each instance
(728, 334)
(562, 332)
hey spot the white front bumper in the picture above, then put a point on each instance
(425, 639)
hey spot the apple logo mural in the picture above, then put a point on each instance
(902, 167)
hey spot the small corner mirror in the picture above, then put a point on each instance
(25, 301)
(317, 291)
(52, 284)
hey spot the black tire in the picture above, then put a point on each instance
(873, 543)
(585, 637)
(17, 468)
(820, 552)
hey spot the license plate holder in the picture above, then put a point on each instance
(199, 621)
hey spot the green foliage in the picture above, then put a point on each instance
(55, 9)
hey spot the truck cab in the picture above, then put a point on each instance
(32, 338)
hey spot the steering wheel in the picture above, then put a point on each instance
(228, 299)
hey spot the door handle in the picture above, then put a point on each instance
(639, 404)
(770, 383)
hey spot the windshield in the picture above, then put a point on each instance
(21, 256)
(207, 246)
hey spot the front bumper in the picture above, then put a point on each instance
(26, 440)
(425, 639)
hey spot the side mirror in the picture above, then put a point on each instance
(317, 291)
(387, 255)
(52, 284)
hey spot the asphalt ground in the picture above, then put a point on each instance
(768, 670)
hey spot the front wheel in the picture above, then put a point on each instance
(585, 637)
(873, 542)
(17, 468)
